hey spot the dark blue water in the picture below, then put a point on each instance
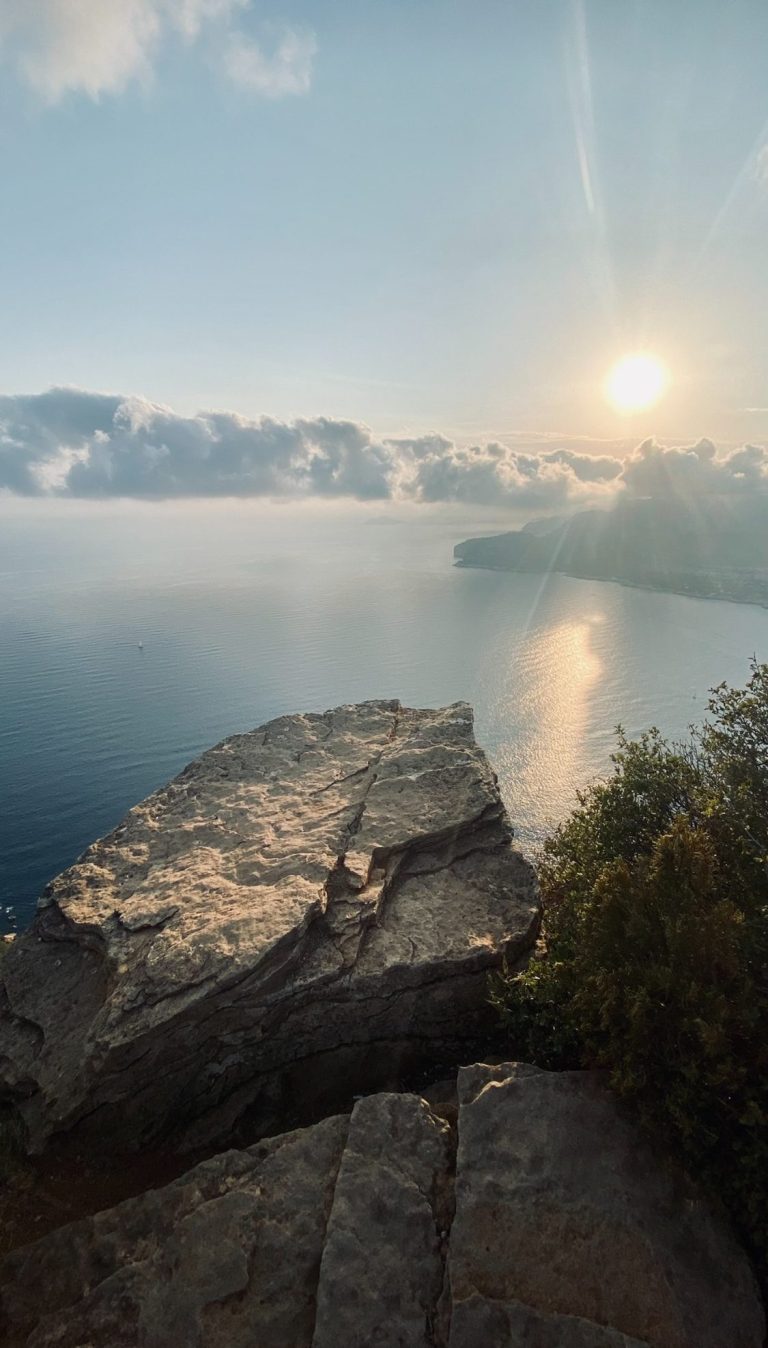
(244, 615)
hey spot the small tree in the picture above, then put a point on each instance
(655, 932)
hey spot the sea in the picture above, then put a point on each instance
(133, 637)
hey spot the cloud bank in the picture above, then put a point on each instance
(100, 46)
(68, 442)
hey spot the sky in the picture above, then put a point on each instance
(394, 245)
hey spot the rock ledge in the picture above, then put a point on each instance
(302, 906)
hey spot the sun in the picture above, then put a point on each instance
(635, 383)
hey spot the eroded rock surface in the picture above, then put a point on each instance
(305, 904)
(567, 1227)
(226, 1256)
(559, 1231)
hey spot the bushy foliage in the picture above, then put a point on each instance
(655, 946)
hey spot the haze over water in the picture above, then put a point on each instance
(248, 614)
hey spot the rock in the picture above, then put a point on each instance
(393, 1199)
(234, 1243)
(480, 1323)
(567, 1227)
(306, 910)
(567, 1233)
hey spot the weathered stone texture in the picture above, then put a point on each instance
(302, 905)
(225, 1256)
(306, 910)
(567, 1233)
(562, 1209)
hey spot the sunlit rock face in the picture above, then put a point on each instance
(306, 910)
(534, 1215)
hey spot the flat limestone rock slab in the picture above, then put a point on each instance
(248, 934)
(541, 1221)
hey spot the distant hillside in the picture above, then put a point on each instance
(714, 547)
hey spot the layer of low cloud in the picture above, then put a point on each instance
(98, 47)
(68, 442)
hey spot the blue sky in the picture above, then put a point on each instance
(424, 215)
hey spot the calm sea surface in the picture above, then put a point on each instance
(244, 616)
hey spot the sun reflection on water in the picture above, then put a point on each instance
(551, 676)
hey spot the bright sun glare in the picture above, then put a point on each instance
(635, 383)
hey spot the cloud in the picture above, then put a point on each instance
(287, 71)
(760, 168)
(100, 46)
(586, 467)
(70, 442)
(36, 431)
(495, 474)
(697, 470)
(114, 446)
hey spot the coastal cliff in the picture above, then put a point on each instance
(307, 913)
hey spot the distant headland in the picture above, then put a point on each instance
(711, 548)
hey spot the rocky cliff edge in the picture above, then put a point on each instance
(303, 905)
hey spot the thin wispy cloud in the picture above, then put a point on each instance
(73, 443)
(98, 47)
(286, 70)
(760, 170)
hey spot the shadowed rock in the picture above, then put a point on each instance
(303, 907)
(567, 1233)
(563, 1215)
(235, 1243)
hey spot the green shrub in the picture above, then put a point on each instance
(655, 947)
